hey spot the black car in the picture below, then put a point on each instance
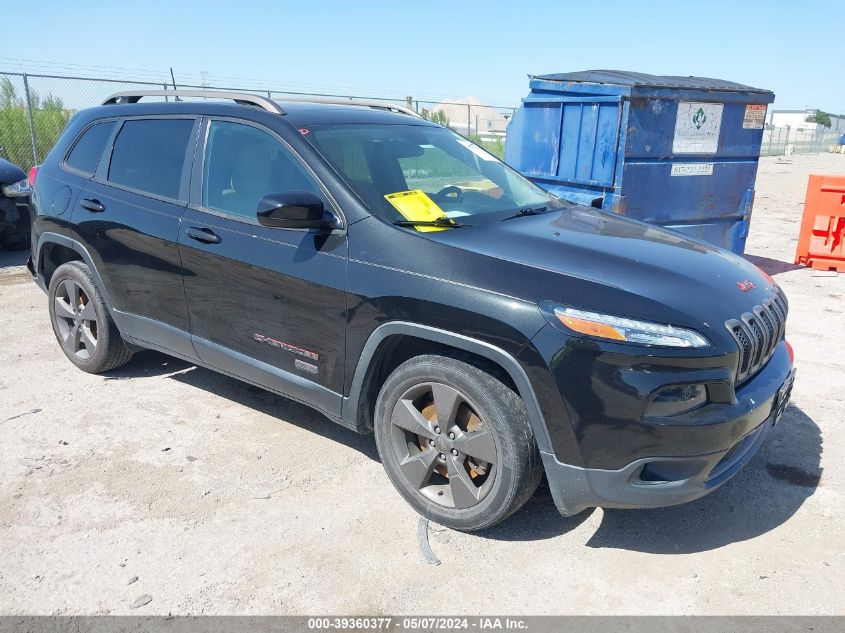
(14, 207)
(401, 280)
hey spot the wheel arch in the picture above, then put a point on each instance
(53, 250)
(396, 341)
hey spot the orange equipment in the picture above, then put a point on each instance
(821, 242)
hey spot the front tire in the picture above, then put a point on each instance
(456, 442)
(81, 322)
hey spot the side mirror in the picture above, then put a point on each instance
(294, 210)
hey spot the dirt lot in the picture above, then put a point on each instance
(211, 496)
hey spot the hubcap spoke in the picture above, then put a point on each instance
(418, 468)
(406, 416)
(478, 444)
(464, 492)
(446, 402)
(63, 310)
(88, 338)
(72, 291)
(73, 338)
(88, 313)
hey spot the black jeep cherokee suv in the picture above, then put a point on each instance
(401, 280)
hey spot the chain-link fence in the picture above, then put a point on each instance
(484, 124)
(35, 107)
(779, 141)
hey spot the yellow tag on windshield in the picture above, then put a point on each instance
(416, 206)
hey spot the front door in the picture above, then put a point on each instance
(266, 304)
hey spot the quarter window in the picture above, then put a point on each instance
(86, 153)
(243, 164)
(149, 155)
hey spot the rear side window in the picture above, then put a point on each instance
(148, 155)
(86, 153)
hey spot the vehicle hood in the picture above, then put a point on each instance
(592, 259)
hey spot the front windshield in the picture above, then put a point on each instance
(463, 180)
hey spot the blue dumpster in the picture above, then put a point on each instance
(679, 152)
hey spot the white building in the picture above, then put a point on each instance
(483, 120)
(796, 121)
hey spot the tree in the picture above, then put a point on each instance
(48, 118)
(495, 147)
(436, 116)
(822, 118)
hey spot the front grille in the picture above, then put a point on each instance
(758, 332)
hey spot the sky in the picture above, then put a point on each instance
(435, 49)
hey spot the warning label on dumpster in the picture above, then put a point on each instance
(755, 116)
(697, 128)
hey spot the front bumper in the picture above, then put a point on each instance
(662, 480)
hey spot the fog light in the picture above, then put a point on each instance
(676, 400)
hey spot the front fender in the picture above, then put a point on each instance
(458, 341)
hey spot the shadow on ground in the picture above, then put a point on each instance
(146, 364)
(263, 401)
(9, 259)
(772, 266)
(762, 496)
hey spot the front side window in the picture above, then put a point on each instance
(87, 151)
(149, 154)
(462, 179)
(243, 164)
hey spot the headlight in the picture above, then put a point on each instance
(631, 330)
(17, 189)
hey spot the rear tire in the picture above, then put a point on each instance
(456, 442)
(81, 322)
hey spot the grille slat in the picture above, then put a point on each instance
(758, 333)
(780, 316)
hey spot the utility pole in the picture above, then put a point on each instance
(31, 122)
(469, 116)
(174, 81)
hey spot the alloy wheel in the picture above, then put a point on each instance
(75, 319)
(443, 447)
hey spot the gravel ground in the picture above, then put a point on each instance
(208, 496)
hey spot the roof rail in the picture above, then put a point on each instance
(133, 96)
(378, 105)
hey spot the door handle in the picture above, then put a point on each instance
(206, 236)
(93, 205)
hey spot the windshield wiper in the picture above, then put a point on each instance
(443, 222)
(526, 211)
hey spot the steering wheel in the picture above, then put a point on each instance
(449, 194)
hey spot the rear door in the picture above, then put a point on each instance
(128, 218)
(58, 188)
(266, 304)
